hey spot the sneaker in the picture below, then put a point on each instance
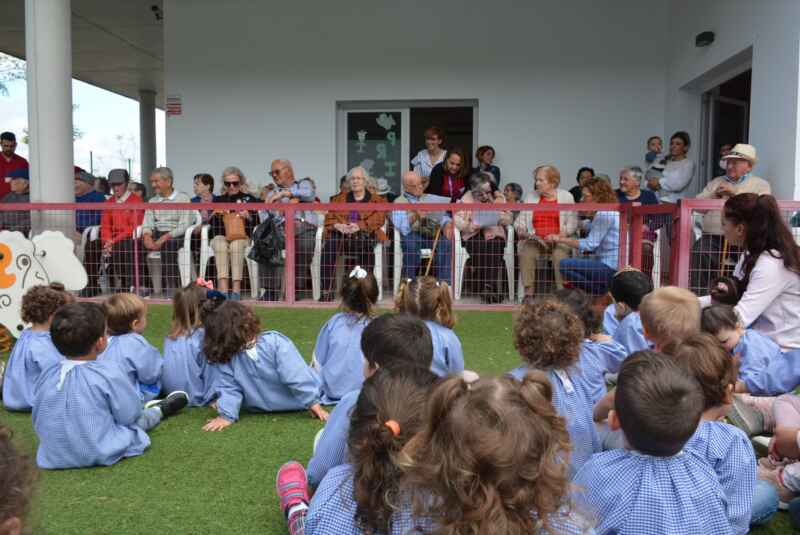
(170, 405)
(775, 477)
(746, 417)
(291, 485)
(764, 405)
(761, 445)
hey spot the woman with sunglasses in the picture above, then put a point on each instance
(228, 245)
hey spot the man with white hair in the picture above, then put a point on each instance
(708, 251)
(288, 190)
(163, 230)
(418, 229)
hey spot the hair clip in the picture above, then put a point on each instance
(438, 284)
(358, 273)
(393, 426)
(204, 283)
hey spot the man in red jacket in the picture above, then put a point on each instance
(9, 160)
(116, 232)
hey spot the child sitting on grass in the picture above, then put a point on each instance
(337, 353)
(725, 447)
(364, 495)
(654, 484)
(389, 341)
(17, 476)
(754, 350)
(258, 371)
(548, 336)
(34, 351)
(490, 458)
(429, 300)
(185, 366)
(126, 314)
(628, 288)
(87, 412)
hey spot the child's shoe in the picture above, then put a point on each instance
(170, 405)
(291, 485)
(775, 477)
(754, 418)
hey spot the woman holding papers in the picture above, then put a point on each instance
(483, 234)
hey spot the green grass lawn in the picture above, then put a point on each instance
(191, 482)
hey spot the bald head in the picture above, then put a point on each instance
(282, 172)
(412, 183)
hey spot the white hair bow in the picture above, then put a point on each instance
(358, 273)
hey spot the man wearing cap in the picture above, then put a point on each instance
(707, 252)
(116, 232)
(9, 160)
(20, 220)
(85, 192)
(164, 230)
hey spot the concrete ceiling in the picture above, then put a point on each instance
(116, 44)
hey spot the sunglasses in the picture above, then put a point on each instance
(231, 184)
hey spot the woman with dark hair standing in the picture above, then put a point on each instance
(678, 173)
(485, 156)
(448, 179)
(584, 174)
(768, 273)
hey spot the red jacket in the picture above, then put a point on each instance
(17, 162)
(118, 225)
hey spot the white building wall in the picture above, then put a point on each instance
(766, 30)
(571, 83)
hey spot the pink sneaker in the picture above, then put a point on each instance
(762, 404)
(291, 485)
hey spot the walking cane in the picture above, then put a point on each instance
(724, 257)
(433, 250)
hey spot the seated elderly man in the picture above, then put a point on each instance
(418, 229)
(163, 230)
(707, 253)
(288, 190)
(85, 193)
(116, 233)
(20, 193)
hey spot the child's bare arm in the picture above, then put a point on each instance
(604, 406)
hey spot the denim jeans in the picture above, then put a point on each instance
(588, 274)
(765, 503)
(411, 244)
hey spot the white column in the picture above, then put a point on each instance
(48, 51)
(147, 132)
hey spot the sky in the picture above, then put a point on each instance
(109, 122)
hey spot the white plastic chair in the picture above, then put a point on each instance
(316, 265)
(153, 258)
(424, 255)
(88, 234)
(461, 257)
(207, 253)
(657, 260)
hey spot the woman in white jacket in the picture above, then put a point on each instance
(533, 227)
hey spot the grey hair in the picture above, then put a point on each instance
(635, 171)
(233, 170)
(165, 173)
(357, 168)
(479, 179)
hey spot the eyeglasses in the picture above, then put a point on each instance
(231, 184)
(276, 172)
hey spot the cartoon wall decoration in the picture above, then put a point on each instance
(49, 257)
(373, 138)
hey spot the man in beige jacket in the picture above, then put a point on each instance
(708, 251)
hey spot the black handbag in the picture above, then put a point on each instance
(269, 241)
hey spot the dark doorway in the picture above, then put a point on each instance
(456, 123)
(729, 107)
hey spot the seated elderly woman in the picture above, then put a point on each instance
(483, 234)
(593, 273)
(533, 227)
(352, 233)
(230, 231)
(630, 190)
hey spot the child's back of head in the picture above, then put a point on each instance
(122, 310)
(629, 287)
(40, 302)
(229, 329)
(186, 305)
(359, 292)
(669, 313)
(77, 327)
(581, 305)
(17, 475)
(658, 405)
(397, 340)
(490, 457)
(389, 411)
(707, 361)
(426, 298)
(718, 318)
(547, 334)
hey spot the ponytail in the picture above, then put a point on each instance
(428, 299)
(359, 292)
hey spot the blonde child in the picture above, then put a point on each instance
(258, 371)
(490, 459)
(126, 315)
(34, 350)
(429, 300)
(185, 366)
(337, 353)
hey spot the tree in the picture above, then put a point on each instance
(11, 69)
